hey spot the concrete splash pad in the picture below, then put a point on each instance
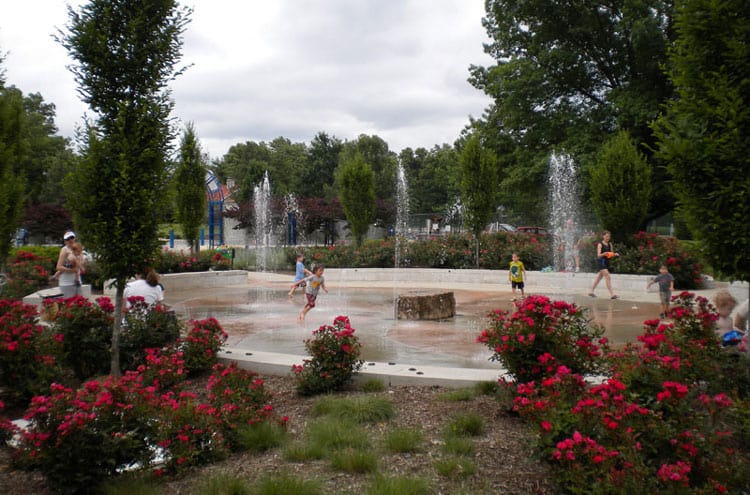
(261, 318)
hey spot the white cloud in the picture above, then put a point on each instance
(261, 69)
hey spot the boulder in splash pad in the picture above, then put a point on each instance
(421, 305)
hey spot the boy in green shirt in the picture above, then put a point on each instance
(515, 275)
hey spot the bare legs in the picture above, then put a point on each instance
(603, 274)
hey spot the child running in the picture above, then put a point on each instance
(313, 284)
(300, 273)
(515, 275)
(666, 286)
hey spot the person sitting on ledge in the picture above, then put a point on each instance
(147, 287)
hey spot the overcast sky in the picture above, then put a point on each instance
(268, 68)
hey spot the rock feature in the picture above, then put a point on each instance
(425, 306)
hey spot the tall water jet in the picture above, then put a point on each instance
(263, 224)
(402, 211)
(565, 214)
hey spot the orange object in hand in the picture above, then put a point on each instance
(608, 254)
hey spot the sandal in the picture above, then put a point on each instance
(615, 297)
(592, 294)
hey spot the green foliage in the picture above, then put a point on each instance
(351, 460)
(222, 484)
(27, 273)
(330, 434)
(286, 484)
(703, 136)
(372, 385)
(261, 436)
(404, 440)
(541, 335)
(478, 183)
(620, 187)
(398, 485)
(360, 409)
(465, 425)
(86, 330)
(147, 326)
(242, 400)
(202, 344)
(457, 445)
(124, 56)
(190, 183)
(12, 151)
(355, 184)
(458, 395)
(334, 351)
(452, 251)
(29, 354)
(567, 75)
(652, 424)
(455, 468)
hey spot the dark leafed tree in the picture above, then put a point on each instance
(319, 173)
(704, 137)
(569, 75)
(355, 183)
(12, 151)
(478, 182)
(125, 54)
(190, 188)
(620, 187)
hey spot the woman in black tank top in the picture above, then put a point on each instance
(604, 252)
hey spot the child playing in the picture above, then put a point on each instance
(515, 275)
(300, 273)
(313, 284)
(666, 286)
(725, 303)
(74, 259)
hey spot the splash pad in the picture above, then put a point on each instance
(260, 317)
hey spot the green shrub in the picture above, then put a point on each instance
(404, 440)
(457, 445)
(86, 330)
(222, 484)
(360, 409)
(30, 356)
(202, 343)
(286, 484)
(146, 327)
(261, 436)
(398, 485)
(352, 460)
(27, 273)
(334, 351)
(331, 434)
(465, 425)
(455, 468)
(372, 385)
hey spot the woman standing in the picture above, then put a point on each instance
(604, 252)
(69, 267)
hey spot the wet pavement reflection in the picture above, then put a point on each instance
(264, 318)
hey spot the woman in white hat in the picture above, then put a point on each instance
(69, 267)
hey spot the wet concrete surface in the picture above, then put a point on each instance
(262, 317)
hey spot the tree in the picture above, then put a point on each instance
(319, 173)
(568, 75)
(190, 185)
(703, 137)
(382, 161)
(478, 179)
(125, 54)
(355, 183)
(620, 187)
(12, 151)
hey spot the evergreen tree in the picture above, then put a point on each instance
(190, 185)
(478, 179)
(125, 54)
(704, 136)
(12, 151)
(355, 183)
(620, 187)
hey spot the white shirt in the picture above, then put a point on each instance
(140, 287)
